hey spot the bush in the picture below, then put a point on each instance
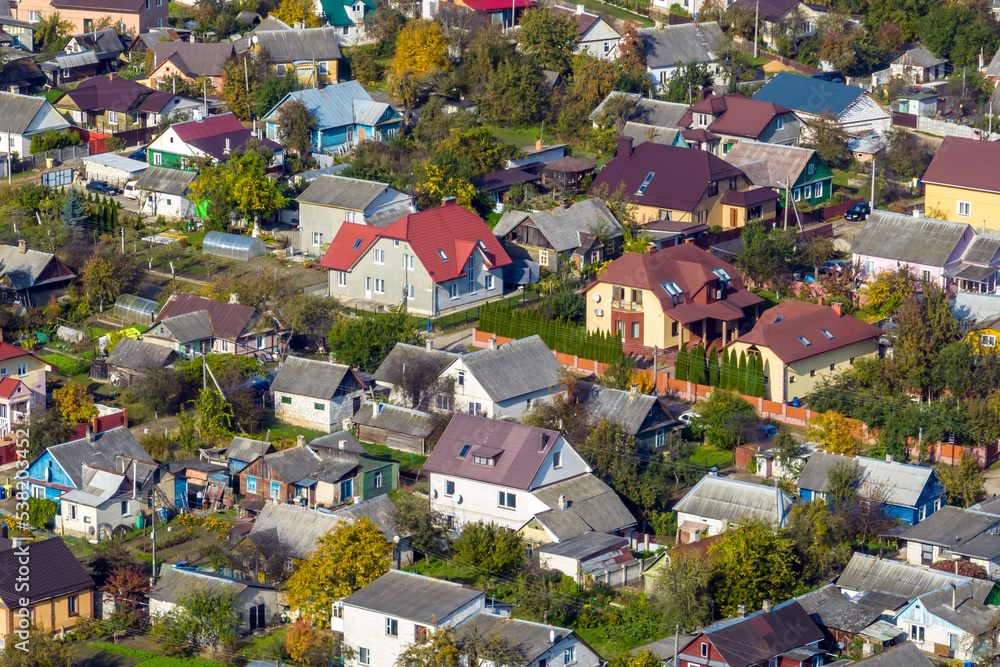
(54, 139)
(565, 337)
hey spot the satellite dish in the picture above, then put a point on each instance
(458, 499)
(597, 298)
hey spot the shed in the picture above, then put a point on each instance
(113, 168)
(586, 556)
(233, 246)
(566, 173)
(395, 426)
(135, 309)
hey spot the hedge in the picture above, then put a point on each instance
(122, 650)
(565, 337)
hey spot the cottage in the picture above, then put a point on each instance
(729, 119)
(395, 426)
(132, 359)
(296, 528)
(952, 534)
(847, 621)
(348, 19)
(19, 34)
(256, 604)
(854, 110)
(131, 17)
(917, 65)
(164, 191)
(188, 61)
(957, 186)
(595, 36)
(716, 502)
(669, 47)
(979, 317)
(640, 415)
(918, 104)
(21, 75)
(380, 511)
(244, 451)
(31, 277)
(111, 104)
(891, 584)
(949, 620)
(112, 168)
(283, 477)
(196, 325)
(575, 506)
(316, 394)
(26, 116)
(214, 138)
(311, 55)
(498, 183)
(107, 44)
(540, 644)
(645, 112)
(63, 69)
(587, 557)
(904, 655)
(340, 446)
(788, 170)
(791, 20)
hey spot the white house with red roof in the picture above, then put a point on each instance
(182, 145)
(594, 35)
(22, 385)
(443, 259)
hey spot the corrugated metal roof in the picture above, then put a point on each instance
(229, 320)
(289, 46)
(165, 180)
(904, 484)
(781, 163)
(666, 46)
(515, 369)
(531, 639)
(379, 511)
(71, 60)
(976, 307)
(23, 268)
(116, 161)
(918, 56)
(175, 583)
(104, 451)
(332, 106)
(562, 227)
(908, 239)
(352, 194)
(309, 377)
(584, 546)
(20, 111)
(331, 441)
(413, 597)
(764, 635)
(138, 355)
(395, 418)
(982, 250)
(189, 327)
(591, 505)
(725, 499)
(903, 655)
(969, 612)
(298, 527)
(658, 135)
(293, 465)
(247, 450)
(870, 573)
(619, 406)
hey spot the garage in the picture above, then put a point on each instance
(113, 168)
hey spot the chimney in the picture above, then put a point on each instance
(430, 345)
(838, 309)
(766, 606)
(541, 442)
(93, 425)
(300, 440)
(954, 594)
(562, 503)
(539, 145)
(111, 76)
(22, 246)
(90, 433)
(635, 390)
(125, 417)
(888, 458)
(342, 444)
(234, 297)
(623, 148)
(378, 408)
(493, 343)
(449, 201)
(227, 144)
(299, 25)
(916, 213)
(579, 9)
(741, 611)
(820, 301)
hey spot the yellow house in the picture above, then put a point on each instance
(672, 297)
(979, 316)
(683, 184)
(961, 183)
(311, 55)
(802, 343)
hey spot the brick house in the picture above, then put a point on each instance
(316, 394)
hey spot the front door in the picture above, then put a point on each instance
(732, 217)
(361, 134)
(368, 287)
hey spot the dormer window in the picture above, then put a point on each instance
(483, 460)
(827, 334)
(645, 183)
(674, 291)
(804, 341)
(703, 119)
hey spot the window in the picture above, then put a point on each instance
(72, 603)
(261, 342)
(379, 256)
(797, 194)
(392, 627)
(791, 379)
(280, 69)
(3, 371)
(713, 188)
(22, 369)
(408, 262)
(453, 290)
(702, 119)
(833, 367)
(475, 408)
(409, 291)
(543, 257)
(317, 239)
(380, 286)
(72, 512)
(508, 500)
(347, 31)
(635, 330)
(987, 340)
(318, 406)
(812, 374)
(157, 159)
(251, 485)
(804, 341)
(460, 381)
(569, 655)
(35, 17)
(449, 489)
(275, 490)
(734, 183)
(917, 633)
(113, 117)
(483, 460)
(557, 459)
(323, 67)
(818, 190)
(287, 400)
(673, 328)
(444, 257)
(346, 489)
(827, 333)
(364, 656)
(124, 507)
(341, 278)
(810, 170)
(964, 209)
(489, 282)
(779, 123)
(225, 345)
(809, 192)
(704, 649)
(378, 479)
(645, 182)
(925, 276)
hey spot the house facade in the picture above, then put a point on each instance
(316, 394)
(194, 325)
(595, 36)
(784, 168)
(948, 621)
(167, 192)
(27, 117)
(256, 603)
(182, 145)
(111, 104)
(954, 534)
(733, 118)
(22, 385)
(667, 48)
(133, 17)
(284, 477)
(957, 186)
(347, 17)
(716, 502)
(310, 55)
(188, 61)
(917, 65)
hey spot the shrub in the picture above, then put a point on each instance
(565, 337)
(121, 650)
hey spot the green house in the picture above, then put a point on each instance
(775, 166)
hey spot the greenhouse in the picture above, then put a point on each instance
(135, 310)
(233, 246)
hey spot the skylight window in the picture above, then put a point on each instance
(674, 291)
(778, 319)
(465, 450)
(804, 341)
(357, 244)
(722, 274)
(645, 182)
(827, 334)
(480, 243)
(443, 256)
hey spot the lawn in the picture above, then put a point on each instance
(770, 298)
(65, 365)
(263, 647)
(407, 460)
(448, 571)
(280, 430)
(840, 178)
(179, 662)
(624, 14)
(605, 641)
(52, 95)
(92, 656)
(710, 457)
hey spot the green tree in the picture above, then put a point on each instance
(828, 139)
(714, 420)
(684, 591)
(427, 529)
(493, 551)
(549, 37)
(713, 367)
(109, 275)
(963, 482)
(214, 414)
(307, 315)
(364, 342)
(473, 153)
(41, 511)
(843, 481)
(47, 428)
(697, 365)
(924, 326)
(240, 84)
(297, 127)
(384, 23)
(200, 617)
(52, 33)
(754, 563)
(54, 139)
(686, 83)
(42, 648)
(681, 366)
(512, 93)
(786, 452)
(74, 209)
(156, 389)
(271, 89)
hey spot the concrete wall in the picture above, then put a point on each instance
(479, 502)
(302, 410)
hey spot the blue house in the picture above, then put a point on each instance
(345, 116)
(912, 493)
(244, 451)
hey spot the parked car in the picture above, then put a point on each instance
(688, 417)
(859, 211)
(832, 266)
(103, 188)
(130, 192)
(835, 77)
(139, 155)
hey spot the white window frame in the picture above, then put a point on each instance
(453, 290)
(489, 282)
(779, 123)
(474, 408)
(987, 340)
(797, 194)
(569, 655)
(543, 257)
(918, 633)
(810, 170)
(964, 209)
(341, 278)
(409, 291)
(380, 286)
(157, 159)
(557, 459)
(364, 656)
(317, 239)
(378, 256)
(391, 627)
(34, 17)
(113, 117)
(460, 378)
(408, 262)
(808, 194)
(819, 189)
(378, 478)
(507, 500)
(22, 369)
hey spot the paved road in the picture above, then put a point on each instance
(453, 341)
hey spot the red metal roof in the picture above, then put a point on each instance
(8, 351)
(209, 127)
(8, 386)
(734, 114)
(965, 163)
(350, 243)
(584, 20)
(497, 5)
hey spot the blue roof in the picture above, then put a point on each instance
(803, 93)
(339, 105)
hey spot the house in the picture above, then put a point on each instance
(165, 191)
(61, 590)
(956, 185)
(540, 644)
(669, 47)
(330, 201)
(575, 506)
(499, 381)
(297, 52)
(340, 446)
(498, 183)
(595, 36)
(112, 104)
(22, 75)
(684, 184)
(256, 603)
(194, 325)
(182, 145)
(296, 529)
(587, 557)
(282, 477)
(398, 609)
(395, 426)
(912, 493)
(673, 297)
(783, 634)
(498, 12)
(25, 117)
(640, 132)
(348, 20)
(640, 415)
(891, 584)
(647, 112)
(785, 20)
(132, 359)
(380, 511)
(917, 65)
(784, 168)
(854, 110)
(20, 34)
(715, 502)
(316, 394)
(61, 467)
(31, 277)
(865, 149)
(952, 533)
(446, 259)
(665, 233)
(106, 44)
(189, 61)
(566, 173)
(979, 318)
(244, 451)
(66, 68)
(655, 570)
(904, 655)
(728, 119)
(803, 343)
(345, 114)
(489, 470)
(918, 104)
(951, 617)
(848, 621)
(925, 246)
(338, 482)
(132, 17)
(979, 269)
(146, 42)
(578, 232)
(22, 385)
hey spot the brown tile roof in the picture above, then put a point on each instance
(692, 269)
(736, 115)
(522, 451)
(781, 328)
(54, 571)
(966, 163)
(228, 319)
(749, 197)
(584, 20)
(680, 176)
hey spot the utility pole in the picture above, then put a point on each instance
(10, 149)
(872, 202)
(756, 20)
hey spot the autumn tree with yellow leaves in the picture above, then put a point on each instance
(75, 403)
(434, 184)
(834, 433)
(421, 50)
(886, 291)
(298, 11)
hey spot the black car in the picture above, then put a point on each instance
(859, 211)
(835, 77)
(139, 155)
(103, 188)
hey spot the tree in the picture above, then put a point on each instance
(47, 428)
(427, 529)
(240, 83)
(549, 37)
(109, 275)
(837, 49)
(364, 342)
(905, 158)
(52, 33)
(828, 139)
(842, 482)
(696, 371)
(713, 414)
(565, 304)
(42, 648)
(156, 389)
(367, 70)
(684, 591)
(201, 617)
(417, 376)
(421, 50)
(41, 511)
(271, 89)
(753, 563)
(786, 452)
(687, 81)
(924, 326)
(74, 209)
(834, 433)
(818, 538)
(128, 585)
(298, 11)
(346, 559)
(383, 24)
(682, 365)
(492, 550)
(297, 127)
(962, 568)
(75, 403)
(886, 290)
(474, 152)
(963, 482)
(639, 658)
(214, 414)
(307, 315)
(253, 193)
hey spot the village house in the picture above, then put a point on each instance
(17, 34)
(25, 117)
(165, 191)
(784, 168)
(847, 621)
(718, 122)
(297, 52)
(63, 69)
(281, 538)
(855, 111)
(256, 603)
(348, 19)
(595, 36)
(669, 47)
(112, 104)
(952, 534)
(645, 112)
(953, 616)
(541, 644)
(671, 298)
(716, 502)
(107, 44)
(195, 325)
(31, 277)
(133, 17)
(891, 584)
(978, 316)
(132, 359)
(282, 477)
(588, 557)
(395, 426)
(214, 138)
(316, 394)
(793, 20)
(244, 451)
(957, 186)
(917, 65)
(640, 415)
(188, 61)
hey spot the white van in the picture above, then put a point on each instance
(129, 191)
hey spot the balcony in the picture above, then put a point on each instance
(620, 304)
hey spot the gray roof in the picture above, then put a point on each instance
(769, 165)
(333, 440)
(71, 60)
(413, 597)
(726, 499)
(963, 532)
(918, 56)
(904, 484)
(908, 239)
(666, 46)
(585, 546)
(658, 112)
(379, 511)
(870, 573)
(664, 648)
(298, 527)
(982, 249)
(619, 406)
(531, 639)
(116, 161)
(969, 613)
(294, 464)
(563, 227)
(591, 506)
(247, 449)
(288, 46)
(517, 368)
(103, 452)
(194, 58)
(829, 608)
(308, 377)
(349, 193)
(904, 655)
(23, 268)
(139, 355)
(333, 471)
(658, 135)
(189, 326)
(403, 352)
(176, 583)
(165, 180)
(993, 69)
(20, 110)
(395, 418)
(337, 105)
(976, 307)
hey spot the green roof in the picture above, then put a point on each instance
(336, 10)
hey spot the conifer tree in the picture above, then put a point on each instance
(741, 371)
(697, 372)
(713, 367)
(681, 365)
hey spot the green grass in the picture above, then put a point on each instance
(407, 460)
(179, 662)
(522, 135)
(67, 366)
(78, 545)
(840, 178)
(606, 643)
(598, 6)
(280, 430)
(439, 569)
(52, 95)
(263, 647)
(710, 457)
